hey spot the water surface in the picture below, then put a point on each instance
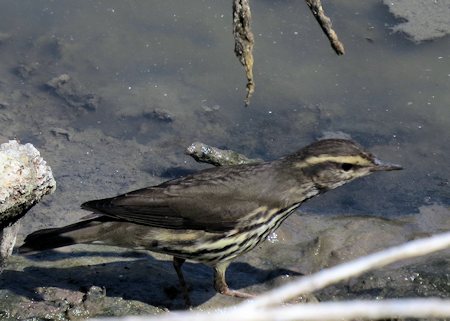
(387, 93)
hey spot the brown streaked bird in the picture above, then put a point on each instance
(216, 214)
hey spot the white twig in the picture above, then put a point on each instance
(262, 308)
(360, 310)
(353, 268)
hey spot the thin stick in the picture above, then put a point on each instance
(325, 23)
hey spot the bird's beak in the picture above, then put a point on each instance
(380, 166)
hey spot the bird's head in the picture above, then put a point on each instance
(330, 163)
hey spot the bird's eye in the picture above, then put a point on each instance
(346, 166)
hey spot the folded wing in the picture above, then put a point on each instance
(211, 200)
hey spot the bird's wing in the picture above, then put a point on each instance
(212, 200)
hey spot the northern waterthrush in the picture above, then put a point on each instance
(216, 214)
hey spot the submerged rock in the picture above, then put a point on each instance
(4, 37)
(26, 70)
(422, 20)
(159, 114)
(72, 92)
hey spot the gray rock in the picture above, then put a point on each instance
(24, 179)
(215, 156)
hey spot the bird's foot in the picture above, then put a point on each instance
(235, 293)
(221, 285)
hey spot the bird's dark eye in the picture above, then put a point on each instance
(346, 166)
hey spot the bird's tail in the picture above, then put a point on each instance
(82, 232)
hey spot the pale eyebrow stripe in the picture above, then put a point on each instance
(355, 160)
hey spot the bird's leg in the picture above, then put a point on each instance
(177, 263)
(221, 285)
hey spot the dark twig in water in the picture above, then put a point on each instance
(243, 42)
(215, 156)
(325, 24)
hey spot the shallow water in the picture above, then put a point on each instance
(387, 93)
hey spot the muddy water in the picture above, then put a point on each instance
(150, 77)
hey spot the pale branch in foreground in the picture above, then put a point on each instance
(266, 307)
(350, 269)
(330, 311)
